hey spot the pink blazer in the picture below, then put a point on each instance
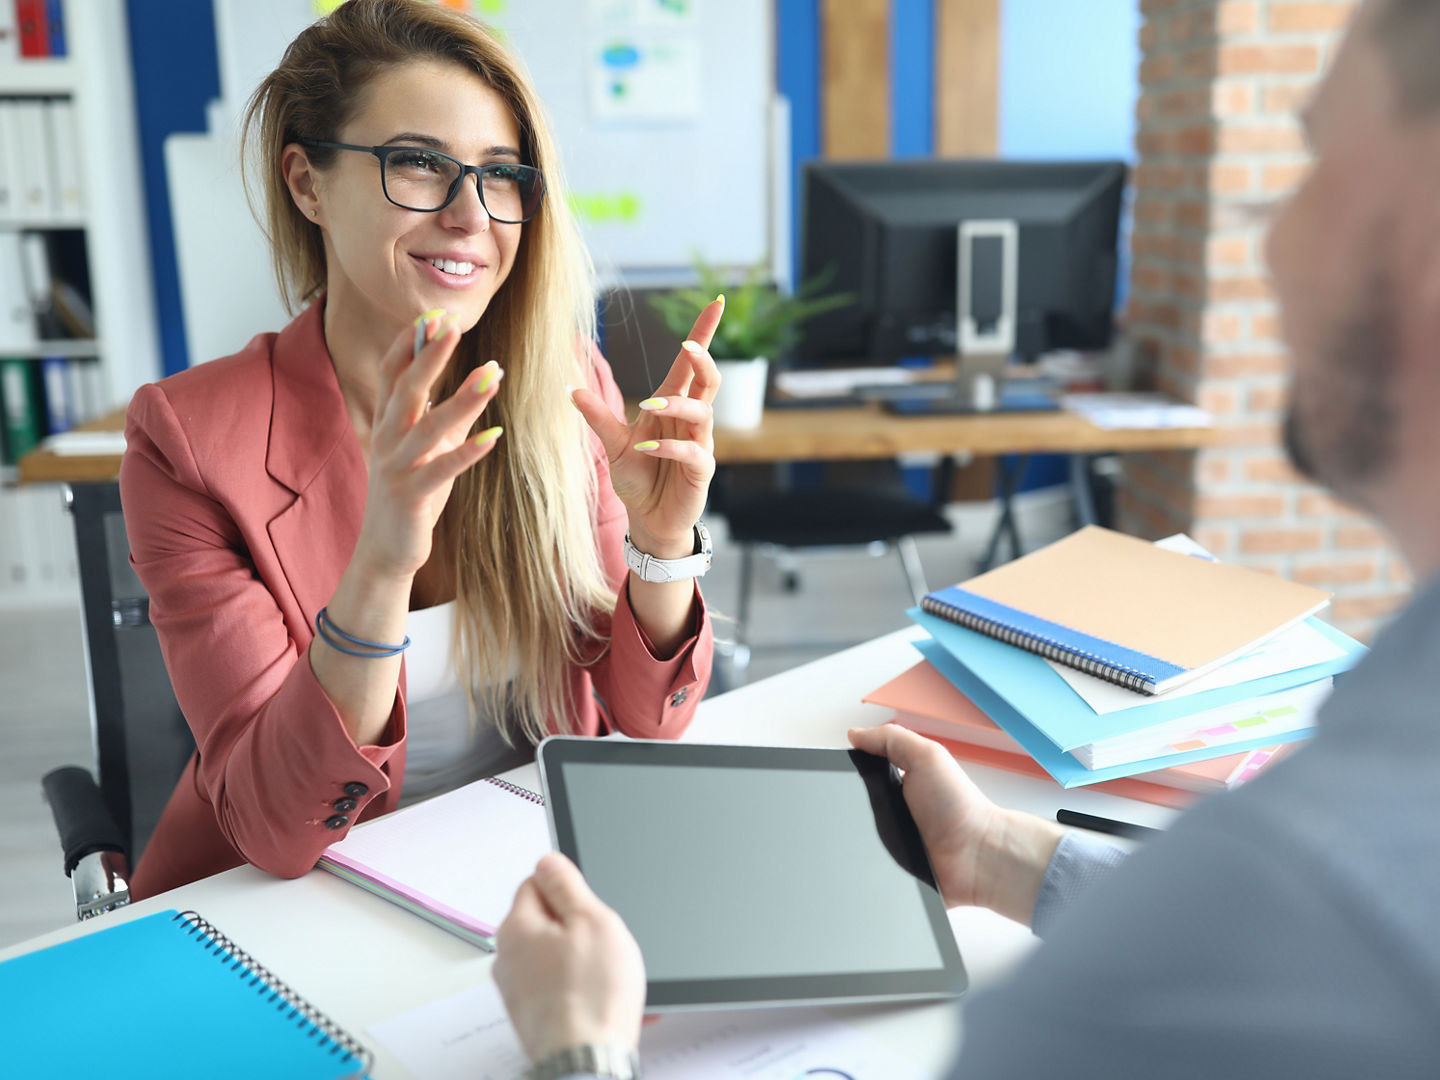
(243, 486)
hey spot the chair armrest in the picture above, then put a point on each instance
(95, 857)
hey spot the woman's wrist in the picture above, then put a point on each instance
(662, 547)
(1013, 858)
(373, 567)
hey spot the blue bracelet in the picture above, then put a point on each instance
(325, 627)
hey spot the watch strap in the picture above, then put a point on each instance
(649, 568)
(588, 1059)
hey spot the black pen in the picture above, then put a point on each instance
(1104, 824)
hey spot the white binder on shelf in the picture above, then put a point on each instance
(37, 195)
(63, 142)
(9, 33)
(17, 318)
(9, 159)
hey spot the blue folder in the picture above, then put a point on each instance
(1062, 766)
(1042, 698)
(163, 996)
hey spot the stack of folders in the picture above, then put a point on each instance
(1102, 657)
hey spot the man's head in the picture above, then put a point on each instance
(1355, 254)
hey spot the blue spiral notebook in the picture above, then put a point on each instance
(167, 995)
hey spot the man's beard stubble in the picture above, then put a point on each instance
(1340, 429)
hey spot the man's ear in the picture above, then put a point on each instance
(302, 178)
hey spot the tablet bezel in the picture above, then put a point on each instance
(949, 980)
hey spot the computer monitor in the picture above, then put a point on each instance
(984, 259)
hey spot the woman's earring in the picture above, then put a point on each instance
(312, 213)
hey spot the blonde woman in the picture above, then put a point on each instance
(429, 456)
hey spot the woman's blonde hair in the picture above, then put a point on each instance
(520, 525)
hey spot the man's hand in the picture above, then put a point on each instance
(982, 854)
(569, 970)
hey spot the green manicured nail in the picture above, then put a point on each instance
(489, 435)
(487, 380)
(650, 404)
(648, 444)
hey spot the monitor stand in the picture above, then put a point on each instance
(987, 277)
(979, 389)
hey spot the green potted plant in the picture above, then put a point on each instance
(760, 323)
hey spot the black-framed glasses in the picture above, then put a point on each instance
(418, 178)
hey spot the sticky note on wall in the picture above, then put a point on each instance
(607, 207)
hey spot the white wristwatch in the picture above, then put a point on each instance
(649, 568)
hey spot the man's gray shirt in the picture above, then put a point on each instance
(1288, 929)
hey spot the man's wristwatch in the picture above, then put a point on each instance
(649, 568)
(611, 1062)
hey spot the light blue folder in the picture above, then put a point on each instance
(162, 996)
(1062, 766)
(1029, 686)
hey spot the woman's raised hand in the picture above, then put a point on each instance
(661, 465)
(417, 448)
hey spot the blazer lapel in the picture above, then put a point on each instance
(313, 451)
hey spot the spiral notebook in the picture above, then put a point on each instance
(164, 996)
(1126, 610)
(454, 860)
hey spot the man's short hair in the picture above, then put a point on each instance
(1408, 32)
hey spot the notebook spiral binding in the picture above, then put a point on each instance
(1128, 677)
(516, 789)
(279, 992)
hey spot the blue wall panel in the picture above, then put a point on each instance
(172, 49)
(797, 77)
(912, 78)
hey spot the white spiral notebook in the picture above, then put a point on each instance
(454, 860)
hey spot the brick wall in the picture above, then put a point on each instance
(1217, 141)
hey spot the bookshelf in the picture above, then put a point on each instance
(105, 244)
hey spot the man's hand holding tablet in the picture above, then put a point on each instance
(570, 972)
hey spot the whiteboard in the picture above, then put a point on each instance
(684, 166)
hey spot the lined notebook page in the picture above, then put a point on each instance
(466, 851)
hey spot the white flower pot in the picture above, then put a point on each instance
(740, 402)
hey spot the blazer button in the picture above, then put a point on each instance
(679, 697)
(356, 790)
(337, 821)
(345, 805)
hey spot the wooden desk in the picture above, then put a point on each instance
(851, 434)
(868, 433)
(42, 466)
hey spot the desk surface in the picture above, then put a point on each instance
(362, 960)
(869, 432)
(849, 434)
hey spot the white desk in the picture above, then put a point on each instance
(362, 960)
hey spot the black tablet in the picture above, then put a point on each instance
(755, 875)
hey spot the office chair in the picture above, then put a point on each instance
(874, 510)
(142, 742)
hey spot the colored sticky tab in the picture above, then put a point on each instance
(1251, 721)
(1284, 710)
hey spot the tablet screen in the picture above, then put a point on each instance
(756, 874)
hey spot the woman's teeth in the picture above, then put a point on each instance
(450, 266)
